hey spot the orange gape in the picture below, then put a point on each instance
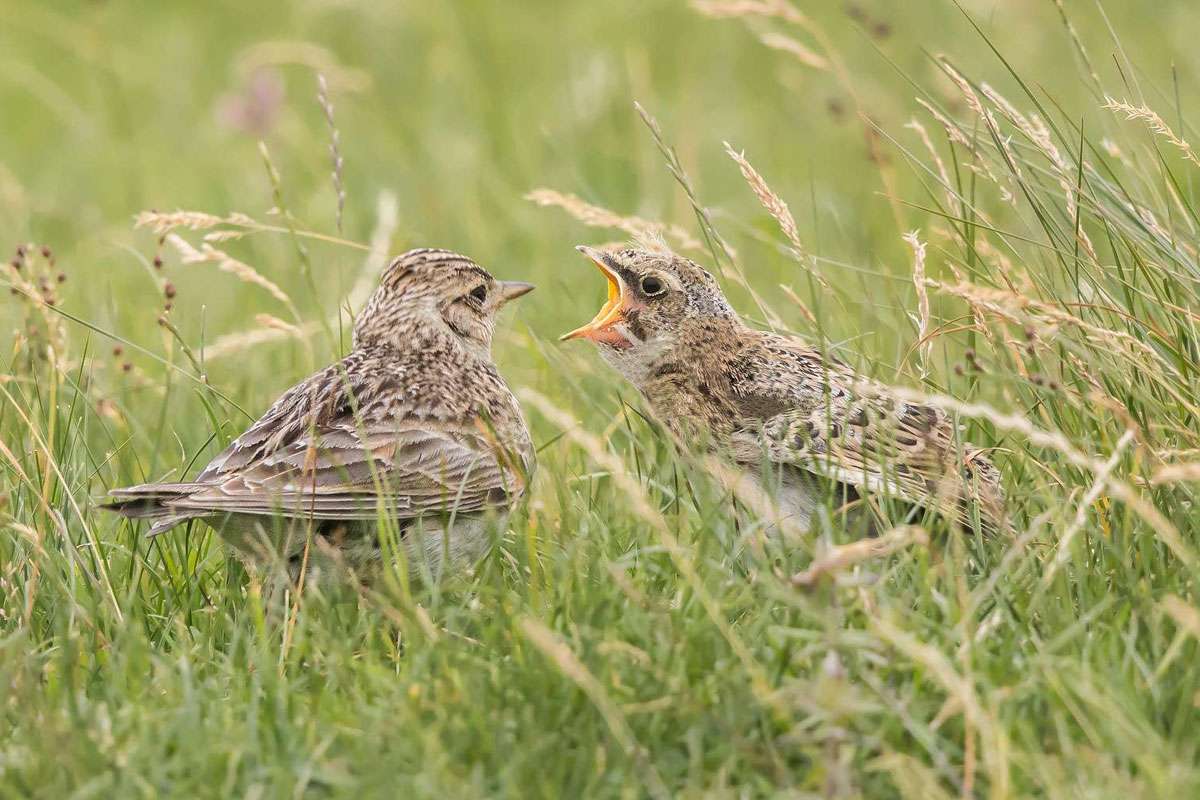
(603, 327)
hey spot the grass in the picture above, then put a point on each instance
(625, 637)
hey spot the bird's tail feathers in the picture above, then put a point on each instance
(151, 501)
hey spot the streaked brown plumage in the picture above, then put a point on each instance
(415, 423)
(763, 397)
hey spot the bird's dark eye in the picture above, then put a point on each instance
(652, 286)
(479, 293)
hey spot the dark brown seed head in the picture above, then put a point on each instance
(158, 262)
(126, 367)
(117, 350)
(169, 290)
(46, 252)
(62, 277)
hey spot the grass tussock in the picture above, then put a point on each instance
(988, 230)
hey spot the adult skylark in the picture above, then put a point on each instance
(773, 402)
(415, 425)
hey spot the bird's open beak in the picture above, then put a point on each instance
(511, 290)
(600, 329)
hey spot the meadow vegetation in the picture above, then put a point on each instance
(992, 206)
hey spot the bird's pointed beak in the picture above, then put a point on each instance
(511, 290)
(600, 329)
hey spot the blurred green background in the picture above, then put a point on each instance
(459, 109)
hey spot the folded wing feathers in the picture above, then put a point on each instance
(406, 473)
(877, 443)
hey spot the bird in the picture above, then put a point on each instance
(415, 425)
(797, 418)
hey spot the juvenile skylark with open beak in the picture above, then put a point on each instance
(415, 425)
(774, 402)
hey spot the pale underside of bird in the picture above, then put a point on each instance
(413, 437)
(773, 402)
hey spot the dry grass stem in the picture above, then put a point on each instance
(335, 148)
(561, 655)
(1154, 122)
(800, 304)
(955, 134)
(1055, 440)
(1011, 161)
(952, 201)
(1077, 42)
(207, 254)
(1185, 615)
(1001, 262)
(165, 221)
(641, 229)
(307, 54)
(275, 323)
(958, 688)
(843, 556)
(777, 208)
(1037, 133)
(772, 202)
(639, 502)
(926, 347)
(787, 44)
(1021, 309)
(386, 220)
(1177, 473)
(387, 217)
(969, 94)
(1063, 551)
(728, 9)
(216, 237)
(233, 343)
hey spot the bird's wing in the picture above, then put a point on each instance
(830, 422)
(342, 474)
(338, 447)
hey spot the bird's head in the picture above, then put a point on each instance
(653, 299)
(435, 288)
